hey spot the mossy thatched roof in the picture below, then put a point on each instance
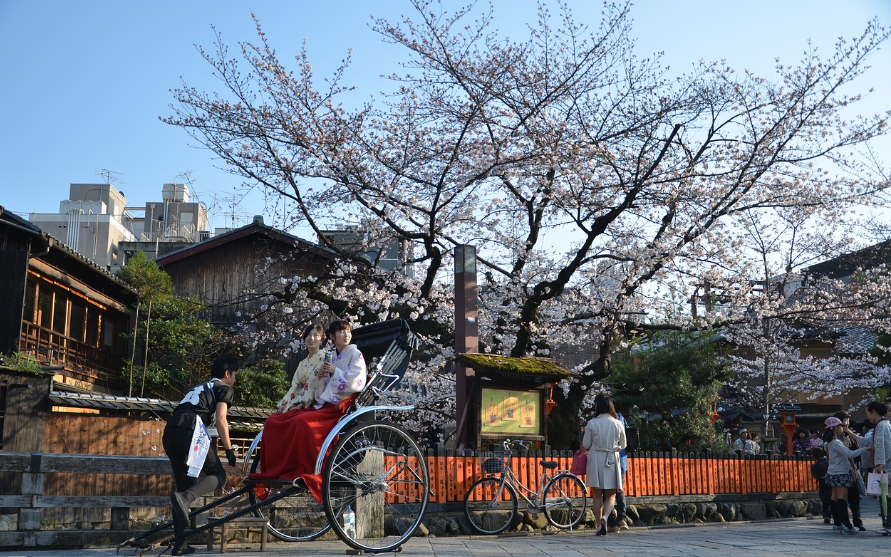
(538, 370)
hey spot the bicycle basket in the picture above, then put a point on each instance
(493, 463)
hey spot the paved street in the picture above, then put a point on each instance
(793, 537)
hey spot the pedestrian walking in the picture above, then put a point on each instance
(618, 519)
(604, 439)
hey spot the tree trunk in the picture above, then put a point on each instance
(148, 321)
(766, 399)
(133, 352)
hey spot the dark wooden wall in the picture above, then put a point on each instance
(26, 407)
(13, 273)
(235, 278)
(23, 422)
(91, 434)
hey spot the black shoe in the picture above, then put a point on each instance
(184, 550)
(180, 510)
(861, 527)
(827, 521)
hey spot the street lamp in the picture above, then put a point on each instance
(788, 412)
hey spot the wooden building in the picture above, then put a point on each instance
(239, 273)
(60, 308)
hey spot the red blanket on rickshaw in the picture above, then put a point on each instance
(292, 442)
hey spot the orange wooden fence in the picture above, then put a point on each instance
(649, 474)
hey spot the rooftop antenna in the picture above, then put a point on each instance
(232, 208)
(110, 176)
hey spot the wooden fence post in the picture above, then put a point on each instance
(32, 487)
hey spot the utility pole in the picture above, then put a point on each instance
(466, 342)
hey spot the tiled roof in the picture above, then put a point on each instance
(856, 340)
(240, 417)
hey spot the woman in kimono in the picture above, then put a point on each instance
(321, 392)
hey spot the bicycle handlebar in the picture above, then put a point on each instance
(508, 444)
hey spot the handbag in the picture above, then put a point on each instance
(877, 484)
(579, 463)
(858, 479)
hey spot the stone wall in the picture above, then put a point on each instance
(643, 515)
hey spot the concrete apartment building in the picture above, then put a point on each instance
(379, 250)
(96, 222)
(92, 221)
(167, 225)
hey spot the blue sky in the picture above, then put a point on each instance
(85, 82)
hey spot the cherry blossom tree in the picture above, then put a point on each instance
(591, 182)
(793, 325)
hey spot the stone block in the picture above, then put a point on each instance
(29, 519)
(673, 510)
(537, 520)
(650, 513)
(798, 508)
(728, 511)
(442, 526)
(435, 526)
(464, 526)
(8, 523)
(753, 511)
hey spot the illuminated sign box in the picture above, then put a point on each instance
(509, 411)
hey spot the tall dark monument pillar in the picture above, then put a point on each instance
(466, 341)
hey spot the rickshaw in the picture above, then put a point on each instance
(375, 483)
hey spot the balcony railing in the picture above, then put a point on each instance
(84, 362)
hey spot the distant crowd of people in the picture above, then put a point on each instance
(747, 443)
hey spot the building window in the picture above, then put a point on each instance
(30, 299)
(93, 325)
(60, 313)
(77, 324)
(45, 307)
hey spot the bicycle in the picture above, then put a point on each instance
(491, 504)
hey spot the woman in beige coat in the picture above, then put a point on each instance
(604, 438)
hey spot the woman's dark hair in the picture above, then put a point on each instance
(223, 364)
(878, 407)
(800, 431)
(603, 404)
(829, 434)
(339, 325)
(313, 327)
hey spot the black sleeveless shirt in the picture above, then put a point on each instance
(201, 400)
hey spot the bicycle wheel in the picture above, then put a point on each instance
(296, 518)
(375, 487)
(490, 505)
(564, 500)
